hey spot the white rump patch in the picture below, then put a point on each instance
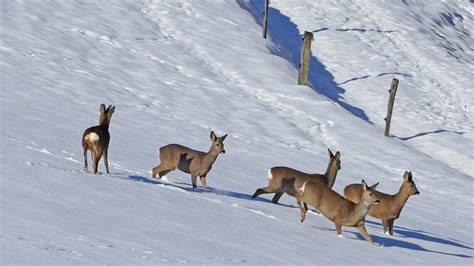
(269, 174)
(302, 188)
(92, 137)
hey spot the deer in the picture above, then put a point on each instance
(196, 163)
(390, 206)
(97, 138)
(280, 178)
(336, 208)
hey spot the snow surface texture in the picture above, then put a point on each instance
(177, 69)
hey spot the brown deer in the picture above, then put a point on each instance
(96, 139)
(284, 179)
(196, 163)
(390, 205)
(333, 206)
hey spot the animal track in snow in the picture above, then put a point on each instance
(99, 37)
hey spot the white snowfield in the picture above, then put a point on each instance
(175, 70)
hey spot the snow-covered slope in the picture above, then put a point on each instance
(359, 46)
(177, 69)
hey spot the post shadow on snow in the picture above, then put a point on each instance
(286, 34)
(422, 235)
(365, 30)
(427, 133)
(379, 75)
(356, 29)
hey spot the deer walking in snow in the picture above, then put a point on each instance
(390, 206)
(333, 206)
(196, 163)
(96, 139)
(287, 180)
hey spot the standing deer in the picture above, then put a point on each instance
(196, 163)
(284, 179)
(333, 206)
(96, 139)
(390, 206)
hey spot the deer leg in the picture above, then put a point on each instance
(194, 180)
(260, 191)
(277, 197)
(93, 158)
(339, 230)
(106, 160)
(385, 226)
(96, 159)
(163, 173)
(155, 170)
(158, 170)
(86, 167)
(298, 201)
(203, 182)
(303, 210)
(363, 231)
(390, 226)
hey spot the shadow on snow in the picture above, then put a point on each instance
(427, 133)
(188, 187)
(286, 34)
(422, 235)
(389, 241)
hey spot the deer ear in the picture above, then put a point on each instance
(213, 136)
(102, 108)
(111, 110)
(374, 186)
(223, 137)
(330, 153)
(364, 185)
(338, 155)
(406, 176)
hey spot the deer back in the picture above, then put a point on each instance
(279, 173)
(389, 206)
(197, 163)
(353, 192)
(176, 156)
(98, 137)
(327, 201)
(337, 208)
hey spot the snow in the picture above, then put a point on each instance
(175, 70)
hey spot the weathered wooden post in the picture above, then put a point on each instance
(304, 61)
(265, 19)
(391, 100)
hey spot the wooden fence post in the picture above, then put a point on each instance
(265, 19)
(305, 56)
(391, 100)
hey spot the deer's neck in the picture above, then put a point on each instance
(362, 208)
(401, 198)
(104, 125)
(331, 172)
(211, 156)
